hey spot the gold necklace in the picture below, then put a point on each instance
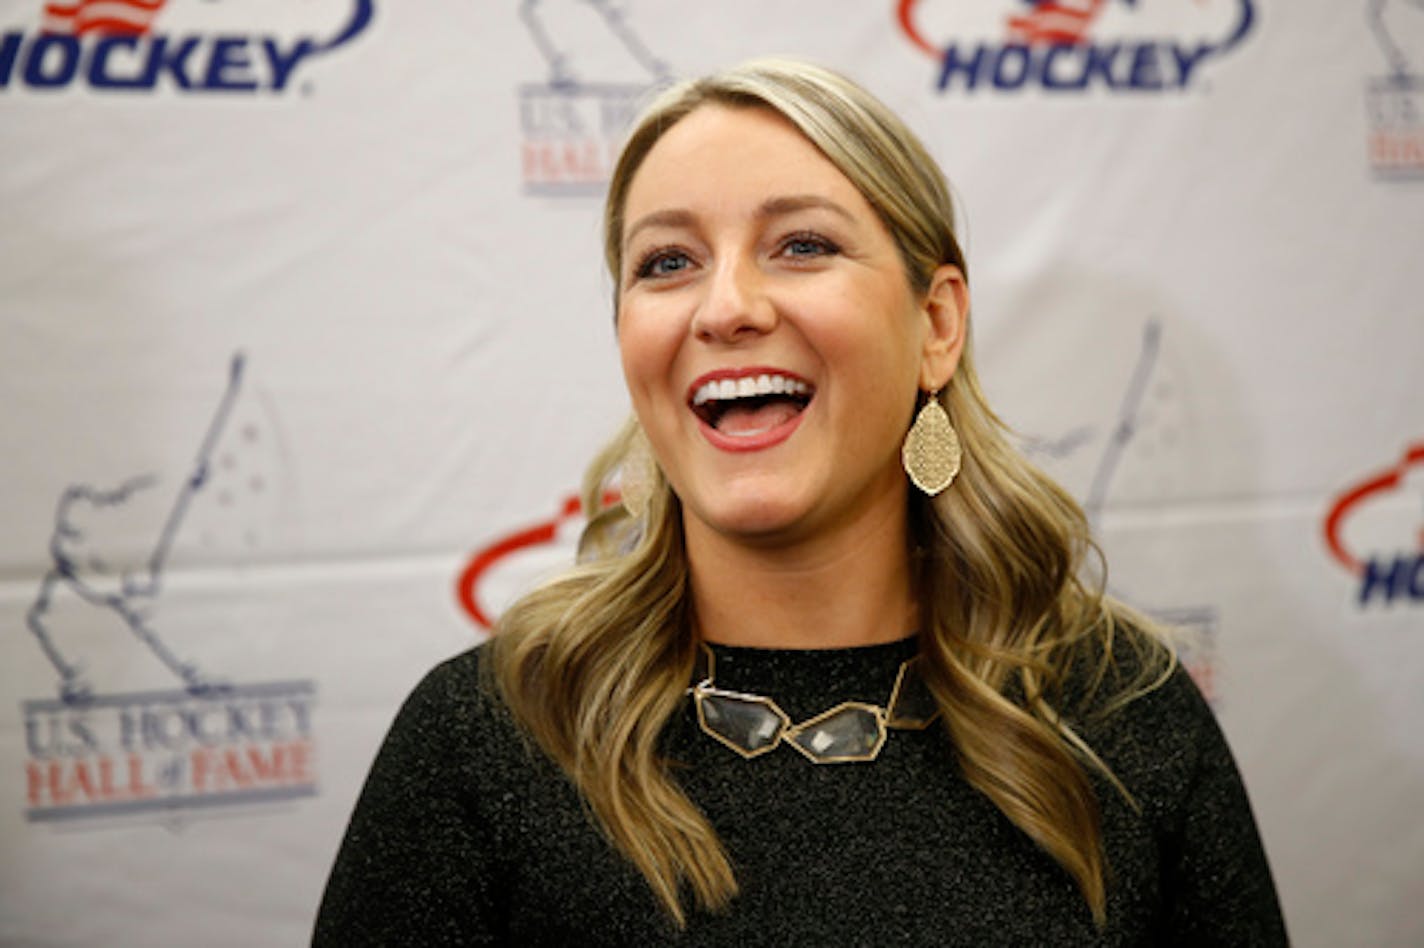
(852, 731)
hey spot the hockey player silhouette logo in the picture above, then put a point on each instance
(1398, 26)
(598, 70)
(1396, 99)
(589, 41)
(114, 617)
(89, 563)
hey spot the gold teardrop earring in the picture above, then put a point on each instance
(931, 454)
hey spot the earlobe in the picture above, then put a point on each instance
(947, 308)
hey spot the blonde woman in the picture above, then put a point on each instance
(833, 672)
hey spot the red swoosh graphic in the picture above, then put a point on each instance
(106, 17)
(1051, 22)
(905, 14)
(467, 586)
(1346, 502)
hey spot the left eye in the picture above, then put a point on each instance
(808, 245)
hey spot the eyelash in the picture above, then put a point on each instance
(823, 247)
(647, 261)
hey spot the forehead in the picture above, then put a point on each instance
(729, 154)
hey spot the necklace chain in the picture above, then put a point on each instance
(850, 732)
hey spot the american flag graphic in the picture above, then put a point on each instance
(104, 17)
(1055, 22)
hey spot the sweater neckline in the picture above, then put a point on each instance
(805, 682)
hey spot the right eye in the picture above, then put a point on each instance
(661, 263)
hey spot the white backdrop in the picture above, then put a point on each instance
(305, 344)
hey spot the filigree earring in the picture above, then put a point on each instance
(931, 454)
(638, 476)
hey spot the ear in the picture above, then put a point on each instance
(946, 306)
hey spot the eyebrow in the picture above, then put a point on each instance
(772, 207)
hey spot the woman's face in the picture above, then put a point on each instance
(770, 340)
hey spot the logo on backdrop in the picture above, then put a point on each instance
(139, 46)
(1396, 99)
(470, 588)
(597, 72)
(1073, 46)
(1366, 534)
(194, 741)
(1144, 397)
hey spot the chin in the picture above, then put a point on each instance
(758, 519)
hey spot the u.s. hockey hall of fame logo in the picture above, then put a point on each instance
(598, 73)
(1396, 99)
(194, 742)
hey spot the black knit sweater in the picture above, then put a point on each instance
(464, 835)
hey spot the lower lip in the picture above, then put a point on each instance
(760, 441)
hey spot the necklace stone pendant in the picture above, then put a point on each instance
(851, 732)
(847, 732)
(749, 724)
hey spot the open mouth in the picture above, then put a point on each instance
(751, 404)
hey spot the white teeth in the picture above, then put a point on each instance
(748, 387)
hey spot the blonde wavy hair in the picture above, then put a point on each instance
(594, 663)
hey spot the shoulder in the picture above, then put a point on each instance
(452, 736)
(1166, 729)
(1189, 808)
(453, 685)
(1187, 796)
(1141, 712)
(421, 852)
(452, 711)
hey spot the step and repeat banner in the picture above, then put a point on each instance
(304, 343)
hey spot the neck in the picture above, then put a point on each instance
(852, 588)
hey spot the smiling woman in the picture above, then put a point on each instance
(835, 671)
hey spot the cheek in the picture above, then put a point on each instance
(647, 348)
(878, 337)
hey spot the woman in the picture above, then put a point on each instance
(829, 673)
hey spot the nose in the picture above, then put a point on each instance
(736, 305)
